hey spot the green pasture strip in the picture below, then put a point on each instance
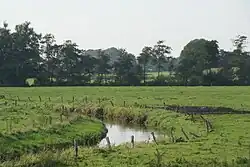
(233, 97)
(84, 130)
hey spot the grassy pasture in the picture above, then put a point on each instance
(233, 97)
(29, 108)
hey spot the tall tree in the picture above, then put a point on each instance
(242, 59)
(125, 68)
(69, 56)
(103, 65)
(240, 42)
(50, 50)
(160, 52)
(212, 49)
(5, 53)
(86, 67)
(172, 64)
(198, 55)
(25, 55)
(144, 59)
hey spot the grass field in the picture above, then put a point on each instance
(38, 125)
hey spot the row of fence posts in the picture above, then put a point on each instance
(62, 100)
(133, 140)
(109, 143)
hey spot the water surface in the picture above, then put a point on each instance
(120, 134)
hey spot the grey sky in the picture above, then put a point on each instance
(132, 24)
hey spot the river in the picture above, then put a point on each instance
(120, 134)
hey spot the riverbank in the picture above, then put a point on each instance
(87, 132)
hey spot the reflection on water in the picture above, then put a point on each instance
(119, 134)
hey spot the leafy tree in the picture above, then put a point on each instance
(240, 42)
(242, 59)
(68, 57)
(172, 63)
(25, 57)
(160, 52)
(125, 68)
(5, 53)
(212, 49)
(103, 65)
(198, 55)
(88, 64)
(50, 52)
(144, 59)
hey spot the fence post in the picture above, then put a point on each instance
(133, 141)
(73, 100)
(154, 138)
(192, 117)
(76, 148)
(50, 120)
(108, 142)
(112, 103)
(61, 117)
(171, 134)
(184, 133)
(7, 125)
(207, 124)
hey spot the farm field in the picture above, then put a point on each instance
(39, 124)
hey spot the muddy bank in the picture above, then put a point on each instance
(200, 109)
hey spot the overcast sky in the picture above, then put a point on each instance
(132, 24)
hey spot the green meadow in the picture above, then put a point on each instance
(38, 126)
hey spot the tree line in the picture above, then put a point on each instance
(26, 54)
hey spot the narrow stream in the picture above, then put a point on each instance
(120, 134)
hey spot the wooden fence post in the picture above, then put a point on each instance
(133, 141)
(171, 134)
(184, 133)
(108, 142)
(76, 148)
(61, 117)
(112, 103)
(154, 138)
